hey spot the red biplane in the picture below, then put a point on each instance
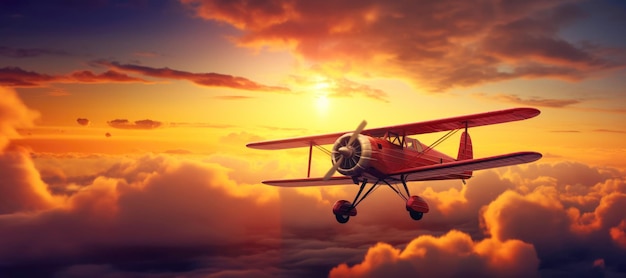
(386, 155)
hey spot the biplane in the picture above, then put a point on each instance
(386, 156)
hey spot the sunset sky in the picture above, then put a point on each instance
(123, 127)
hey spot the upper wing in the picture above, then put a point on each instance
(458, 167)
(310, 182)
(488, 118)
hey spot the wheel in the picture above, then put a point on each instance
(416, 215)
(342, 218)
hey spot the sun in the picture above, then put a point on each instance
(320, 89)
(322, 103)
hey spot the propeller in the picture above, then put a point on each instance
(345, 151)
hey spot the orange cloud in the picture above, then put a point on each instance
(13, 115)
(618, 234)
(538, 101)
(17, 77)
(21, 189)
(438, 45)
(203, 79)
(337, 86)
(453, 254)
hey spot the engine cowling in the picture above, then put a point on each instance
(356, 156)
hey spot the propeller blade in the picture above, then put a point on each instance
(356, 133)
(333, 169)
(353, 137)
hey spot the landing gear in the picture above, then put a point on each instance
(342, 218)
(415, 205)
(416, 215)
(343, 210)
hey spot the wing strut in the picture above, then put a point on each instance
(308, 172)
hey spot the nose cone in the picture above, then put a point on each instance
(345, 152)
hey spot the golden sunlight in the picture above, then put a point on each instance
(322, 102)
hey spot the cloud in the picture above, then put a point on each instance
(86, 76)
(21, 189)
(233, 97)
(17, 77)
(183, 215)
(609, 131)
(538, 101)
(175, 216)
(438, 45)
(82, 121)
(337, 86)
(141, 124)
(203, 79)
(451, 255)
(30, 52)
(153, 205)
(13, 115)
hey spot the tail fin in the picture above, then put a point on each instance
(465, 150)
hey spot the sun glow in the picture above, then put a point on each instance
(322, 103)
(320, 88)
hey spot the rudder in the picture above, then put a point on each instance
(465, 150)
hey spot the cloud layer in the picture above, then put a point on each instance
(438, 45)
(164, 215)
(119, 73)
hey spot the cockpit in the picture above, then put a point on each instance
(403, 141)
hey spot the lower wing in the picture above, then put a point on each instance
(432, 172)
(424, 173)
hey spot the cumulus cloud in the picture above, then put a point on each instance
(438, 45)
(13, 115)
(141, 124)
(155, 203)
(454, 254)
(21, 189)
(180, 215)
